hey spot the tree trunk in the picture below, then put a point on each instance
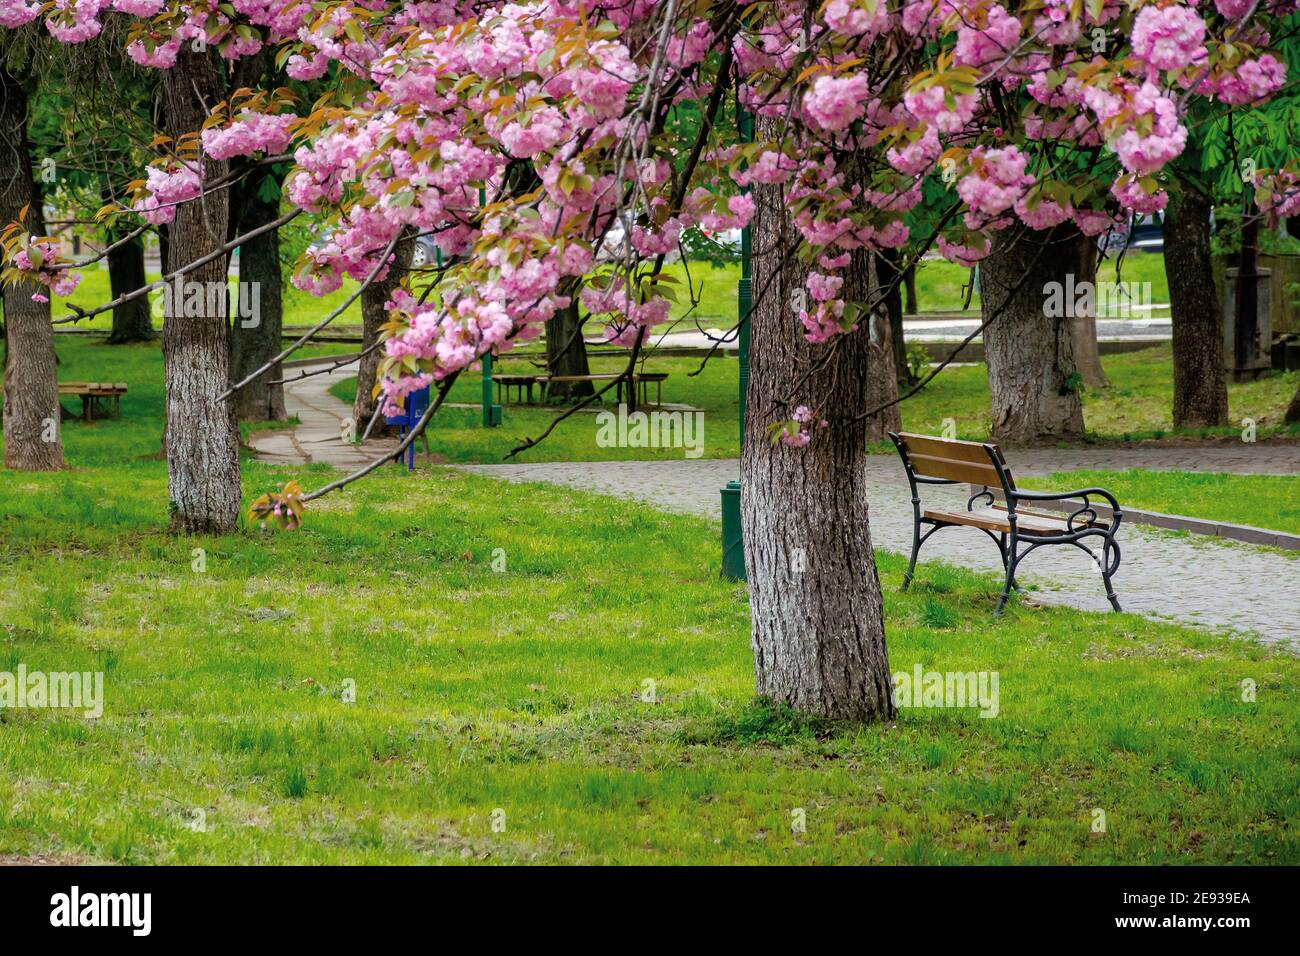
(909, 287)
(255, 337)
(202, 438)
(32, 431)
(1293, 410)
(818, 622)
(373, 316)
(1033, 382)
(566, 352)
(132, 321)
(888, 276)
(1200, 389)
(1083, 323)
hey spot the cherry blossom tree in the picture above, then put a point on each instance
(1035, 116)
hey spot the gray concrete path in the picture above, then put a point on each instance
(1192, 580)
(319, 434)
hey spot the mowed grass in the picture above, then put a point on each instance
(1137, 407)
(300, 308)
(1265, 501)
(711, 300)
(940, 287)
(369, 689)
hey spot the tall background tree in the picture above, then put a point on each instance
(202, 438)
(1034, 384)
(32, 436)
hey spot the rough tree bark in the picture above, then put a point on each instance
(131, 321)
(1033, 382)
(32, 435)
(1083, 324)
(255, 340)
(909, 287)
(202, 438)
(1200, 389)
(373, 317)
(888, 277)
(818, 623)
(566, 352)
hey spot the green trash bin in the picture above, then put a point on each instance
(733, 549)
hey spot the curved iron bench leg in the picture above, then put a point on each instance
(1108, 571)
(1012, 559)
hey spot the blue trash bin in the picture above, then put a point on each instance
(417, 403)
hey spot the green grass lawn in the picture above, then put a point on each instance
(939, 287)
(227, 691)
(1138, 406)
(1265, 501)
(300, 308)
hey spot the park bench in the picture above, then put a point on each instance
(89, 391)
(944, 461)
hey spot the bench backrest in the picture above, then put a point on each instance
(951, 460)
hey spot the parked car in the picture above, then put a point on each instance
(1145, 234)
(425, 252)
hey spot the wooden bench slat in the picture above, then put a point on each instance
(953, 448)
(995, 519)
(932, 466)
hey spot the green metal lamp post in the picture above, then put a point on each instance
(733, 550)
(491, 411)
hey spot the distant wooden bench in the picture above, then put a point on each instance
(518, 382)
(942, 461)
(89, 391)
(640, 380)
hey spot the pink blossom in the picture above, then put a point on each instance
(967, 254)
(250, 133)
(1134, 198)
(978, 46)
(997, 179)
(1169, 38)
(931, 105)
(1252, 81)
(835, 102)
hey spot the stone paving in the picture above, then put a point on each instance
(1190, 579)
(319, 434)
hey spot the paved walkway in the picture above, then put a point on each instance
(1193, 580)
(319, 434)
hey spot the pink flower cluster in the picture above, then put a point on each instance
(835, 102)
(1252, 81)
(250, 133)
(164, 190)
(38, 259)
(1169, 38)
(857, 17)
(1142, 154)
(997, 179)
(797, 431)
(931, 105)
(987, 44)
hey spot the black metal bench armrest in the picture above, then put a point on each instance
(1083, 493)
(1085, 509)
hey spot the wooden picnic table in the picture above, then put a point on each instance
(518, 382)
(640, 380)
(89, 391)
